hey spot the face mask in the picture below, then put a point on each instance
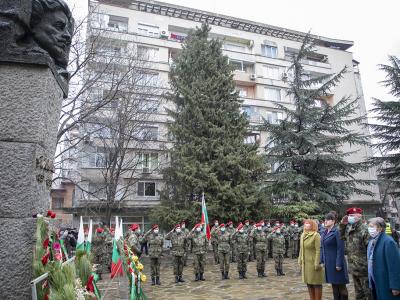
(241, 230)
(258, 228)
(183, 226)
(216, 224)
(278, 231)
(198, 229)
(307, 226)
(223, 229)
(231, 226)
(296, 225)
(268, 225)
(373, 232)
(247, 224)
(277, 224)
(262, 224)
(138, 231)
(178, 230)
(156, 231)
(352, 219)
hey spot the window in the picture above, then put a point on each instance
(252, 138)
(273, 117)
(251, 113)
(147, 189)
(94, 159)
(110, 50)
(238, 65)
(272, 94)
(148, 133)
(58, 203)
(242, 92)
(147, 162)
(150, 106)
(271, 72)
(148, 79)
(149, 30)
(96, 190)
(148, 53)
(235, 47)
(269, 51)
(117, 23)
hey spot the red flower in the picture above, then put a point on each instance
(45, 259)
(128, 261)
(53, 215)
(46, 243)
(89, 285)
(57, 246)
(49, 212)
(58, 256)
(130, 270)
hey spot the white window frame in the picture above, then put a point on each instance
(235, 47)
(277, 97)
(148, 30)
(270, 51)
(148, 161)
(144, 188)
(121, 26)
(150, 53)
(271, 72)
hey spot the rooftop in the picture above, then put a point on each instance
(176, 11)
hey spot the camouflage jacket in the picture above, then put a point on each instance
(241, 241)
(295, 234)
(224, 241)
(214, 233)
(156, 242)
(133, 242)
(356, 237)
(260, 240)
(199, 242)
(278, 243)
(178, 241)
(231, 231)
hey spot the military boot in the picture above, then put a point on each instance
(181, 279)
(240, 275)
(222, 275)
(153, 281)
(277, 272)
(226, 275)
(158, 280)
(176, 279)
(202, 277)
(197, 277)
(244, 275)
(281, 272)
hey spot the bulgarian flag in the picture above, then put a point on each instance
(89, 238)
(80, 244)
(204, 218)
(116, 264)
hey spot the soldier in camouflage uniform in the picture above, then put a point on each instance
(278, 249)
(295, 240)
(178, 241)
(286, 235)
(156, 241)
(100, 252)
(242, 245)
(231, 230)
(214, 241)
(186, 233)
(248, 228)
(224, 250)
(355, 233)
(134, 239)
(260, 243)
(199, 249)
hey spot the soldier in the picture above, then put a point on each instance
(242, 246)
(186, 233)
(295, 238)
(248, 228)
(134, 239)
(224, 250)
(231, 230)
(355, 233)
(214, 241)
(268, 230)
(178, 241)
(260, 243)
(100, 252)
(278, 249)
(199, 248)
(156, 241)
(285, 233)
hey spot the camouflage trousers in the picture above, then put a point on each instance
(199, 261)
(233, 253)
(278, 259)
(242, 262)
(261, 257)
(103, 263)
(178, 262)
(224, 261)
(215, 252)
(295, 248)
(361, 288)
(251, 254)
(155, 266)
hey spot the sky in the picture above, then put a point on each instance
(372, 25)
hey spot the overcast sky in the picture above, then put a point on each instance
(371, 24)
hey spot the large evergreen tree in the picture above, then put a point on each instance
(306, 147)
(387, 130)
(209, 153)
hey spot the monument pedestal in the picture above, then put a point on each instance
(30, 105)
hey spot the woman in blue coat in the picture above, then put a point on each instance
(383, 262)
(332, 256)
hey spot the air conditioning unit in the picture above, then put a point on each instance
(164, 34)
(253, 76)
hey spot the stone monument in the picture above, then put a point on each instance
(35, 37)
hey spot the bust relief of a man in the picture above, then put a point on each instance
(51, 27)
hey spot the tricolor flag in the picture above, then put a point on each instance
(116, 264)
(89, 238)
(204, 218)
(80, 244)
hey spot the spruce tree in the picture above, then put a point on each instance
(209, 153)
(387, 130)
(306, 147)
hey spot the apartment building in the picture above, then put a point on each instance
(260, 54)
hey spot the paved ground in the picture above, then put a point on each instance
(287, 287)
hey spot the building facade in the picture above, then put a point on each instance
(260, 54)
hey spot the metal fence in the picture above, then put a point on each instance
(42, 277)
